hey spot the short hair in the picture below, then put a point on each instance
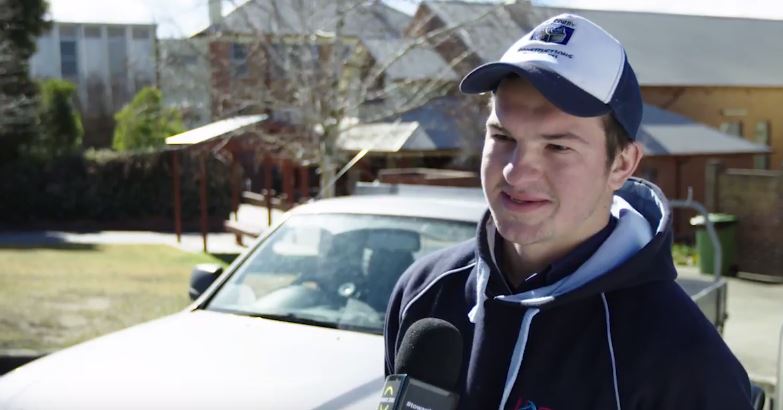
(617, 138)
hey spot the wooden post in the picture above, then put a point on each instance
(175, 187)
(268, 188)
(236, 186)
(203, 197)
(288, 183)
(304, 183)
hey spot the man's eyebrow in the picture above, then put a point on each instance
(496, 125)
(567, 136)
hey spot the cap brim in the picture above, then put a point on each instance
(557, 89)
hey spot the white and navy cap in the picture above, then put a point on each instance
(575, 64)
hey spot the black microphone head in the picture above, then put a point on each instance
(431, 351)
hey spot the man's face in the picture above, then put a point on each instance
(543, 171)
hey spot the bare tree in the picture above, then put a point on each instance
(324, 66)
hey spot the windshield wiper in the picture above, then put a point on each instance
(304, 319)
(293, 318)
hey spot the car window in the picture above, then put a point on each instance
(337, 270)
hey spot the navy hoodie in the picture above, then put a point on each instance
(616, 333)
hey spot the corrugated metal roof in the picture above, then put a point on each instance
(445, 120)
(214, 130)
(666, 133)
(379, 137)
(301, 17)
(435, 126)
(415, 63)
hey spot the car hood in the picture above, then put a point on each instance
(206, 360)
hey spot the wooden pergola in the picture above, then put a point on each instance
(202, 140)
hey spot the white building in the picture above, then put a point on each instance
(109, 63)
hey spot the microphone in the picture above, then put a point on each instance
(427, 368)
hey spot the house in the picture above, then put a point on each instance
(282, 57)
(698, 66)
(108, 63)
(697, 70)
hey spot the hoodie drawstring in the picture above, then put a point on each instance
(518, 355)
(611, 351)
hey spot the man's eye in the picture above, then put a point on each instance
(501, 137)
(558, 148)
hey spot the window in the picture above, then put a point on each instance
(68, 59)
(761, 136)
(68, 31)
(732, 127)
(141, 33)
(239, 60)
(92, 32)
(116, 32)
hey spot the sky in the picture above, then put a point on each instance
(179, 18)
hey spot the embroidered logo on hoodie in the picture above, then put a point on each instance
(528, 405)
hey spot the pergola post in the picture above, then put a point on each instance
(176, 190)
(268, 193)
(203, 197)
(304, 183)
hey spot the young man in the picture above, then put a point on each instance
(566, 298)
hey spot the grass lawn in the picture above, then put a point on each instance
(53, 297)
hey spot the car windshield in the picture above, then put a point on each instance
(334, 270)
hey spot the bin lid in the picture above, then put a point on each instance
(716, 219)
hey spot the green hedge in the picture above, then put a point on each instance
(108, 187)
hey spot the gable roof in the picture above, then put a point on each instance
(485, 28)
(665, 133)
(301, 17)
(435, 126)
(416, 63)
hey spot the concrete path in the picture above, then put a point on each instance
(753, 328)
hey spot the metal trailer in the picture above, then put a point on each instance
(709, 294)
(777, 399)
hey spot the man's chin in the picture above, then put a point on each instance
(519, 233)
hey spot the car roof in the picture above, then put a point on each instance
(433, 204)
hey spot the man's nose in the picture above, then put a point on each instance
(524, 165)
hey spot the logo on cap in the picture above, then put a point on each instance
(554, 33)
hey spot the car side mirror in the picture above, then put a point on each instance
(201, 277)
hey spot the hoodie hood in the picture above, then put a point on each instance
(643, 223)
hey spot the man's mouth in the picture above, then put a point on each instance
(523, 202)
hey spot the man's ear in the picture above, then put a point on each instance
(624, 165)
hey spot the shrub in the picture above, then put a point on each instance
(144, 123)
(61, 125)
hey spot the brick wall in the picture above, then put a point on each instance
(674, 175)
(756, 198)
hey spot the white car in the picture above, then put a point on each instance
(294, 323)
